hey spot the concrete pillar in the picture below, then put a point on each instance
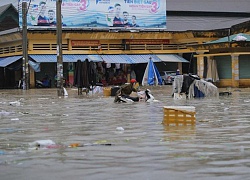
(235, 70)
(200, 65)
(32, 78)
(69, 44)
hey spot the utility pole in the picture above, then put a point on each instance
(60, 91)
(25, 48)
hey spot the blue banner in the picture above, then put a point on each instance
(129, 14)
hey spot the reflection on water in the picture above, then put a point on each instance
(122, 141)
(179, 133)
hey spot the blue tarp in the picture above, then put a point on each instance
(153, 71)
(35, 66)
(151, 75)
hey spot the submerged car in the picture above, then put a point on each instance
(167, 77)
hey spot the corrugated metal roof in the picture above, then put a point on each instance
(123, 58)
(208, 5)
(44, 58)
(152, 56)
(95, 57)
(75, 57)
(116, 59)
(4, 8)
(185, 23)
(143, 58)
(171, 58)
(5, 61)
(235, 37)
(66, 58)
(137, 59)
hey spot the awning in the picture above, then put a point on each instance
(109, 58)
(5, 61)
(122, 59)
(129, 59)
(66, 58)
(143, 58)
(171, 58)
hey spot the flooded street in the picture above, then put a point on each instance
(122, 141)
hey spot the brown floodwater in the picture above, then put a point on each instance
(122, 141)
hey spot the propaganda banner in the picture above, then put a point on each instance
(131, 14)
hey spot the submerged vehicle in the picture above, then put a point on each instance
(167, 77)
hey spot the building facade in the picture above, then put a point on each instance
(187, 35)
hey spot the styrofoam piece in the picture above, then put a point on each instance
(42, 143)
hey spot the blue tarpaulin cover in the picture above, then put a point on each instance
(151, 75)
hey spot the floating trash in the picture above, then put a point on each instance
(42, 98)
(14, 119)
(23, 113)
(42, 143)
(97, 143)
(4, 113)
(74, 145)
(120, 129)
(8, 130)
(65, 93)
(15, 103)
(2, 152)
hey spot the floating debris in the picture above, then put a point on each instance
(14, 119)
(42, 143)
(120, 129)
(15, 103)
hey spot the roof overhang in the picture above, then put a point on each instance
(51, 58)
(172, 58)
(223, 54)
(122, 58)
(5, 61)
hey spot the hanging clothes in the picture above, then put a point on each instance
(92, 73)
(78, 76)
(85, 70)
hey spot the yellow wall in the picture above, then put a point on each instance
(244, 83)
(44, 42)
(224, 83)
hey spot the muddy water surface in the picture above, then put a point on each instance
(122, 141)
